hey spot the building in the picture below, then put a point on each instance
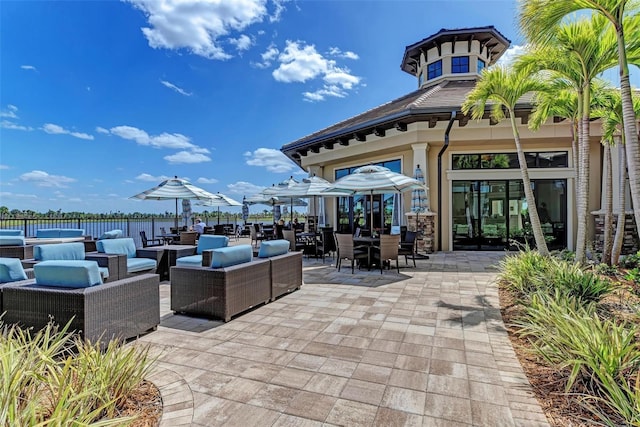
(476, 199)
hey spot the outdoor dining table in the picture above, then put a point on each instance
(168, 257)
(366, 241)
(168, 238)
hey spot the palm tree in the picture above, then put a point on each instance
(501, 88)
(577, 52)
(538, 18)
(609, 110)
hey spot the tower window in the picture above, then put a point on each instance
(460, 64)
(434, 69)
(481, 65)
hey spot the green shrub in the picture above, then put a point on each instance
(633, 275)
(630, 261)
(54, 378)
(568, 333)
(606, 269)
(574, 281)
(523, 271)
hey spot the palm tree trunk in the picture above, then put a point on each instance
(536, 227)
(622, 214)
(583, 178)
(630, 129)
(608, 215)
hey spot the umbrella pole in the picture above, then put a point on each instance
(218, 215)
(176, 214)
(371, 213)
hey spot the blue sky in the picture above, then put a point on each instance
(100, 100)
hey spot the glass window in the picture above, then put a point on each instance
(420, 79)
(556, 159)
(460, 64)
(466, 161)
(355, 211)
(553, 160)
(481, 65)
(434, 70)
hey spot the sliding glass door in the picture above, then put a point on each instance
(492, 214)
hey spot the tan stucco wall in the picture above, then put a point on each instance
(474, 137)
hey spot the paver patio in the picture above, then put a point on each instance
(426, 347)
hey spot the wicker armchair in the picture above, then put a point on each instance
(121, 309)
(286, 273)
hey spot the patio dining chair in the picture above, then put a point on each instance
(346, 250)
(386, 251)
(149, 242)
(408, 247)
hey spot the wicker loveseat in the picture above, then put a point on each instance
(120, 309)
(222, 290)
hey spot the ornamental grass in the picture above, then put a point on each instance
(53, 377)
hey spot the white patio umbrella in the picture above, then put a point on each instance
(372, 180)
(186, 211)
(245, 209)
(174, 189)
(264, 199)
(222, 200)
(313, 186)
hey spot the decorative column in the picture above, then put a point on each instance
(422, 221)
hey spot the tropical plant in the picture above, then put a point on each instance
(538, 20)
(575, 53)
(502, 88)
(52, 377)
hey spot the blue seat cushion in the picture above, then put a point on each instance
(104, 272)
(11, 270)
(60, 251)
(112, 234)
(71, 232)
(189, 261)
(134, 265)
(11, 233)
(124, 246)
(67, 274)
(206, 242)
(47, 233)
(12, 241)
(231, 255)
(273, 247)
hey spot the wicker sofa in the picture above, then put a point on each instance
(222, 292)
(14, 245)
(120, 309)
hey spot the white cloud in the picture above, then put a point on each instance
(43, 179)
(268, 56)
(334, 51)
(28, 67)
(150, 178)
(6, 124)
(187, 157)
(272, 160)
(300, 63)
(176, 88)
(203, 180)
(102, 130)
(511, 54)
(164, 140)
(54, 129)
(6, 194)
(242, 43)
(4, 167)
(10, 112)
(200, 25)
(244, 188)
